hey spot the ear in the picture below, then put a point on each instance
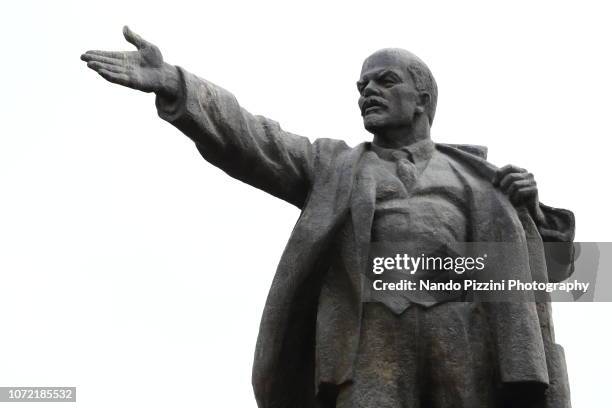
(423, 101)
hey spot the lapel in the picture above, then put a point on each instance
(363, 205)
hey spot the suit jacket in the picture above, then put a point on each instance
(323, 179)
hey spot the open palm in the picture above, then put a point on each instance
(143, 69)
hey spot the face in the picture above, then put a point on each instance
(388, 97)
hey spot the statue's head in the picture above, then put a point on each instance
(396, 88)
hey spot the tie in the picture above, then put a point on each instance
(406, 170)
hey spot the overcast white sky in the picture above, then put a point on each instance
(137, 272)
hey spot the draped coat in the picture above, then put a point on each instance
(323, 179)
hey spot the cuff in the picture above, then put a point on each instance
(170, 109)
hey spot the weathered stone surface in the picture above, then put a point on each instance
(324, 341)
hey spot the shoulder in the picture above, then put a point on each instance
(471, 158)
(475, 150)
(470, 164)
(332, 150)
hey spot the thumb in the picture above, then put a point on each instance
(134, 38)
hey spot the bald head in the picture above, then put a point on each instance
(419, 72)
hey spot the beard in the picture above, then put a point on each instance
(378, 122)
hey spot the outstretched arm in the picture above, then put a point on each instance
(250, 148)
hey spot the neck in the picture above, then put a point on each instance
(397, 137)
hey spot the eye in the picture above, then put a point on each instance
(388, 79)
(388, 82)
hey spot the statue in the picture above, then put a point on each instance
(320, 343)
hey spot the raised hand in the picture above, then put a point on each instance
(520, 187)
(143, 69)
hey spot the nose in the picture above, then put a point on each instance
(371, 89)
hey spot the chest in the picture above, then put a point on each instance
(431, 204)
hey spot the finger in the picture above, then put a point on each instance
(511, 168)
(134, 38)
(109, 54)
(121, 79)
(507, 169)
(100, 58)
(97, 66)
(524, 193)
(508, 179)
(517, 185)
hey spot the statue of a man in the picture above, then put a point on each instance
(321, 343)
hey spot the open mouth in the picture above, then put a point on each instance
(372, 105)
(372, 109)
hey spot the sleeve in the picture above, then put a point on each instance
(250, 148)
(557, 230)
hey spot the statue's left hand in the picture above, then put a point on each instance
(521, 188)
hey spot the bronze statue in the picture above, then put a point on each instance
(321, 343)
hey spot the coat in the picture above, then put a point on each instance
(322, 179)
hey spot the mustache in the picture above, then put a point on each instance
(371, 101)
